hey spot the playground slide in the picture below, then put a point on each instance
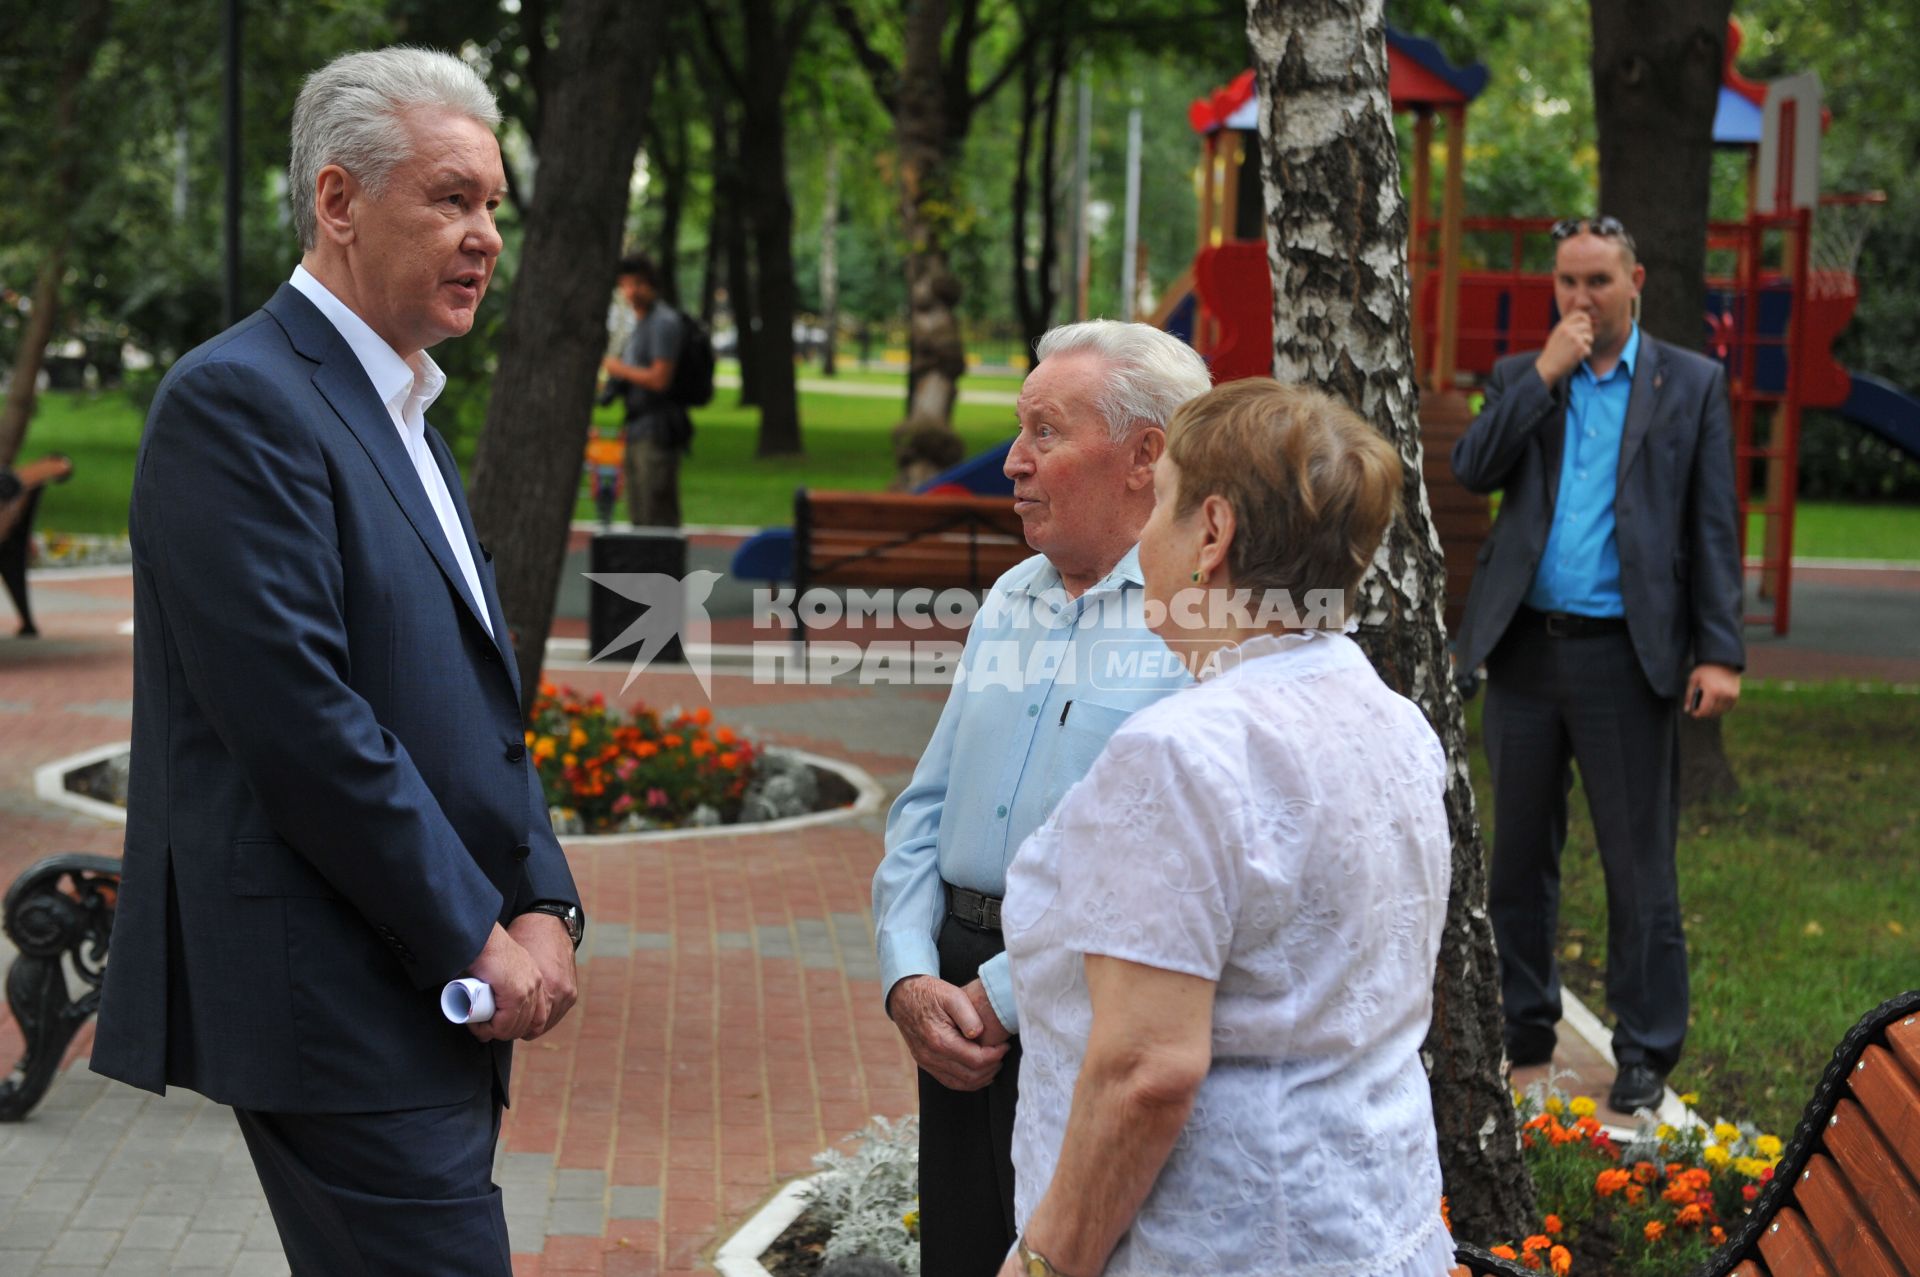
(1880, 406)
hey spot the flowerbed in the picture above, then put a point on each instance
(608, 771)
(77, 550)
(1655, 1206)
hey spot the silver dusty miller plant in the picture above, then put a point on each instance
(863, 1198)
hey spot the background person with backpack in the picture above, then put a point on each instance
(656, 373)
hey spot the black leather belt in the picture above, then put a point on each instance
(973, 908)
(1569, 625)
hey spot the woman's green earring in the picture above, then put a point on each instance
(1196, 576)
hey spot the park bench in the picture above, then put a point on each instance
(59, 915)
(16, 531)
(1845, 1199)
(897, 540)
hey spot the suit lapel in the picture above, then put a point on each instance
(1648, 378)
(1553, 445)
(443, 457)
(343, 382)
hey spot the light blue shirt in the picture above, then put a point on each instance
(1580, 570)
(1044, 680)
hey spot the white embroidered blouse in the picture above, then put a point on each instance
(1279, 830)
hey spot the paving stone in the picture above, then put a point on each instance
(61, 1196)
(651, 940)
(526, 1234)
(259, 1264)
(634, 1202)
(154, 1232)
(69, 1270)
(83, 1246)
(262, 1234)
(104, 1210)
(732, 940)
(139, 1263)
(228, 1214)
(207, 1249)
(579, 1185)
(577, 1218)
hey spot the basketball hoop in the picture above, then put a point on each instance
(1839, 231)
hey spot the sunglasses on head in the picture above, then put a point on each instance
(1603, 226)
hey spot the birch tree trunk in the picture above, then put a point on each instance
(927, 143)
(526, 473)
(830, 259)
(1337, 244)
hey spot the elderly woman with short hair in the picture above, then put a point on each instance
(1223, 940)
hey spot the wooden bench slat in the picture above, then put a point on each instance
(1882, 1187)
(1892, 1099)
(1836, 1219)
(1748, 1268)
(1789, 1248)
(1904, 1038)
(904, 512)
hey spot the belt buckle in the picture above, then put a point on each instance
(990, 912)
(1557, 624)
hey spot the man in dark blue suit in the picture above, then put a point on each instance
(331, 811)
(1607, 597)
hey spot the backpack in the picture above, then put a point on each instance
(692, 383)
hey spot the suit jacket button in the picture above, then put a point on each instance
(522, 852)
(490, 656)
(516, 751)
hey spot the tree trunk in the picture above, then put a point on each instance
(88, 31)
(527, 470)
(667, 155)
(1337, 236)
(763, 159)
(926, 141)
(31, 354)
(729, 191)
(1656, 82)
(1035, 303)
(830, 259)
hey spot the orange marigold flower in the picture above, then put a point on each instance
(724, 735)
(1505, 1252)
(1537, 1121)
(1610, 1181)
(1654, 1229)
(1718, 1235)
(1539, 1241)
(1677, 1192)
(1645, 1172)
(646, 749)
(1674, 1168)
(1446, 1218)
(701, 748)
(728, 761)
(1552, 1224)
(1531, 1259)
(703, 716)
(1561, 1260)
(1690, 1216)
(1587, 1126)
(672, 740)
(1636, 1194)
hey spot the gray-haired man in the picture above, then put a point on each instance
(331, 810)
(1092, 422)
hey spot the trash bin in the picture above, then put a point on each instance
(608, 611)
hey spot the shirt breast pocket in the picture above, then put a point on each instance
(1084, 733)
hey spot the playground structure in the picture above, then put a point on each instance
(1783, 289)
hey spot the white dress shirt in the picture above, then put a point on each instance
(1280, 830)
(408, 388)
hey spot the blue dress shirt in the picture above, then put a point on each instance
(1580, 570)
(1043, 682)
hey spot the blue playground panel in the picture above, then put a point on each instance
(1880, 406)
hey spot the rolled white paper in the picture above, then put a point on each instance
(467, 1001)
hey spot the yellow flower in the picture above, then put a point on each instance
(1582, 1106)
(911, 1220)
(1751, 1167)
(1715, 1155)
(1690, 1099)
(1663, 1132)
(576, 739)
(1726, 1132)
(530, 738)
(1767, 1145)
(544, 747)
(1554, 1106)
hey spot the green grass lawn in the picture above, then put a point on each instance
(846, 440)
(723, 482)
(892, 377)
(1801, 894)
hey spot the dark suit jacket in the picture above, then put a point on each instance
(330, 803)
(1674, 509)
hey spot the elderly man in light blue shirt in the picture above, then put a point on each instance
(1056, 660)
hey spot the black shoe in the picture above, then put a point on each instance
(1526, 1051)
(1636, 1087)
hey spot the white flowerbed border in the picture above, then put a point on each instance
(739, 1255)
(50, 785)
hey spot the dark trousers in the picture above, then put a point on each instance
(653, 483)
(406, 1194)
(966, 1143)
(1553, 702)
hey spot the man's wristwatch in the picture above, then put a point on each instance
(1034, 1265)
(576, 922)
